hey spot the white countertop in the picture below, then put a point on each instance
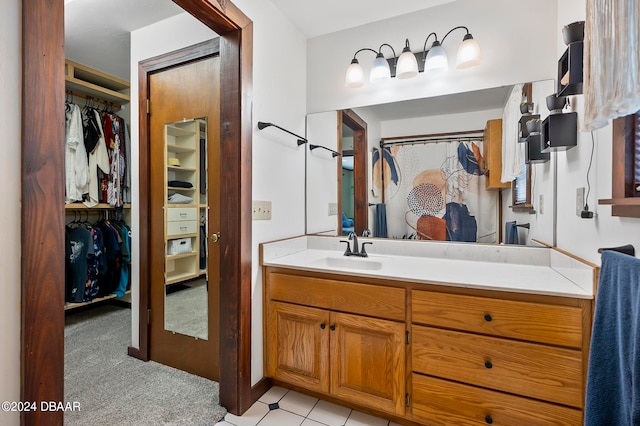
(534, 270)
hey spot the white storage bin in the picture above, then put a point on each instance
(179, 246)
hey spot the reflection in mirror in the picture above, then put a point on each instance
(186, 289)
(429, 176)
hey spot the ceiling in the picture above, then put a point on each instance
(97, 31)
(97, 34)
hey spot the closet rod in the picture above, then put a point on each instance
(431, 140)
(83, 96)
(432, 135)
(264, 125)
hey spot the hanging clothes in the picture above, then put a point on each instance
(98, 158)
(76, 164)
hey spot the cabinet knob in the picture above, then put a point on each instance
(488, 420)
(323, 325)
(332, 327)
(488, 317)
(488, 364)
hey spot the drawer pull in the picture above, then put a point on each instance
(332, 327)
(488, 420)
(183, 215)
(488, 317)
(183, 228)
(488, 364)
(323, 326)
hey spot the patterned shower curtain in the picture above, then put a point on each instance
(436, 191)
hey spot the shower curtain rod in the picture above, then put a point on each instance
(432, 138)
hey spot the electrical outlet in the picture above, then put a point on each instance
(261, 210)
(579, 201)
(333, 209)
(541, 204)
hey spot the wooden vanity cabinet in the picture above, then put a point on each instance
(484, 360)
(340, 338)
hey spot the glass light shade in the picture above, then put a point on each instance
(468, 53)
(436, 58)
(407, 65)
(380, 69)
(354, 76)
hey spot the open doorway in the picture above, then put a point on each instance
(43, 206)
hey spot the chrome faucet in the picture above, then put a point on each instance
(356, 252)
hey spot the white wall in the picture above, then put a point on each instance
(584, 236)
(517, 41)
(10, 189)
(279, 84)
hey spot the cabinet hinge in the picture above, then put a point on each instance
(408, 338)
(148, 106)
(148, 316)
(406, 400)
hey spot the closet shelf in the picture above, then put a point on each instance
(69, 306)
(100, 206)
(94, 83)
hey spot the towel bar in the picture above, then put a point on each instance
(626, 249)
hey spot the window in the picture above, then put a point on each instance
(521, 187)
(625, 201)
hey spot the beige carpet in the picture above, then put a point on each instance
(116, 389)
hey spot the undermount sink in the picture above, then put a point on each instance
(351, 262)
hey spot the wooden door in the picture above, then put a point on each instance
(368, 361)
(298, 345)
(186, 91)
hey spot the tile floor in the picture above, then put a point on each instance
(284, 407)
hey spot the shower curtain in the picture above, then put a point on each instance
(436, 191)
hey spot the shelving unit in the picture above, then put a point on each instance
(182, 225)
(86, 82)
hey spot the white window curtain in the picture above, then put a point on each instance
(510, 146)
(611, 61)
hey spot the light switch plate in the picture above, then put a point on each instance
(333, 209)
(261, 210)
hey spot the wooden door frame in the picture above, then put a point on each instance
(42, 219)
(360, 170)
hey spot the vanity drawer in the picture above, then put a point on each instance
(440, 402)
(536, 322)
(184, 227)
(537, 371)
(181, 213)
(370, 300)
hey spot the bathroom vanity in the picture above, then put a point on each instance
(432, 333)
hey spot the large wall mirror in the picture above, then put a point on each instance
(427, 180)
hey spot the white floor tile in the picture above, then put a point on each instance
(252, 416)
(223, 423)
(298, 403)
(274, 394)
(329, 413)
(309, 422)
(281, 418)
(358, 418)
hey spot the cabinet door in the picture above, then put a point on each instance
(298, 345)
(368, 362)
(492, 151)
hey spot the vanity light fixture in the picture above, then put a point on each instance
(408, 66)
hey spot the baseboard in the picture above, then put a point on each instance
(260, 388)
(135, 353)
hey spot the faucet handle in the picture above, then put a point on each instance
(363, 252)
(347, 252)
(366, 233)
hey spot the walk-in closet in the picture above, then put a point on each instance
(104, 44)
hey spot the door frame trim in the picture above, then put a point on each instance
(42, 213)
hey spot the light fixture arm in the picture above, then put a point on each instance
(424, 49)
(455, 28)
(395, 58)
(364, 48)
